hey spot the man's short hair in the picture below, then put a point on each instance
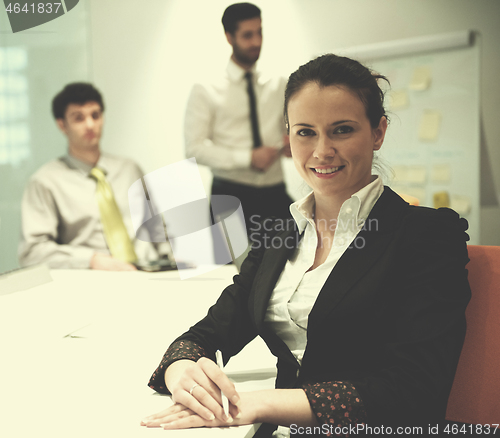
(236, 13)
(78, 93)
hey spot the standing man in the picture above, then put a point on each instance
(75, 211)
(234, 125)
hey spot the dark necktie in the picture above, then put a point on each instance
(253, 111)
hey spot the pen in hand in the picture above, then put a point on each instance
(220, 363)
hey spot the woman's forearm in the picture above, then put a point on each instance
(278, 406)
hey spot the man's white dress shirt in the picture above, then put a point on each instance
(218, 131)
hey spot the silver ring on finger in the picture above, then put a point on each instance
(192, 388)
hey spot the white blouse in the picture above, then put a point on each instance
(297, 288)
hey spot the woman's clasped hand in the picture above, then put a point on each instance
(196, 391)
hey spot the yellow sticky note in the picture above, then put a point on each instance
(410, 174)
(461, 204)
(430, 124)
(398, 171)
(398, 99)
(421, 79)
(441, 199)
(441, 173)
(416, 174)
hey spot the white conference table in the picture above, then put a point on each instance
(77, 352)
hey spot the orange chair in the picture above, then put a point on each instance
(475, 395)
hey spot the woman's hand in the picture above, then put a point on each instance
(180, 417)
(276, 406)
(196, 391)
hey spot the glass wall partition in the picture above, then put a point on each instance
(34, 65)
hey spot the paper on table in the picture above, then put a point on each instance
(25, 278)
(253, 380)
(421, 79)
(430, 124)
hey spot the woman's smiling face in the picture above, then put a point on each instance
(332, 140)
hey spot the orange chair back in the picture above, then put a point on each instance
(475, 395)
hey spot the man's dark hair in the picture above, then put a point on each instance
(78, 93)
(236, 13)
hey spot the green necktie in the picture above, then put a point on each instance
(116, 234)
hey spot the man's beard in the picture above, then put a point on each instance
(244, 57)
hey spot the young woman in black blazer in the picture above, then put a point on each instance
(374, 341)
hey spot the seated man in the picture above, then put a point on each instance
(75, 211)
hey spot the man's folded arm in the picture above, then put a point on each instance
(39, 233)
(198, 127)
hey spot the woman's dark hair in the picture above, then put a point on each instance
(79, 93)
(238, 12)
(331, 69)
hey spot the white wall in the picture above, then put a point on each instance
(145, 61)
(146, 58)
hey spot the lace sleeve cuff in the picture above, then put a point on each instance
(178, 350)
(335, 403)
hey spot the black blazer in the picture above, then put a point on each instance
(389, 319)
